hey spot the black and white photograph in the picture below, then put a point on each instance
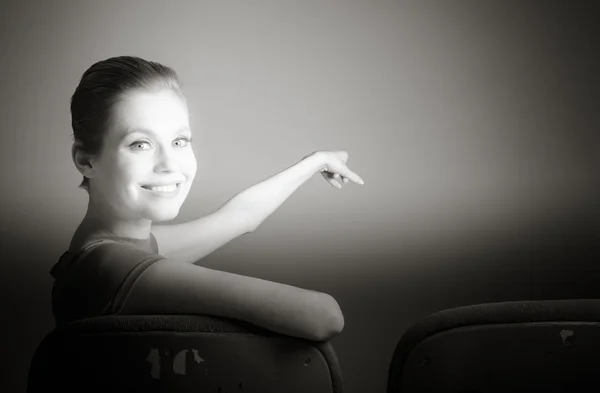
(288, 196)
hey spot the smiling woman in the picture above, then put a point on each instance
(132, 144)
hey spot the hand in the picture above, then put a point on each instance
(334, 168)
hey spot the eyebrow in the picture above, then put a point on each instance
(148, 131)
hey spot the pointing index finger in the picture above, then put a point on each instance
(354, 177)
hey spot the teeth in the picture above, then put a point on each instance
(164, 188)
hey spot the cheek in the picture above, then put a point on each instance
(134, 191)
(127, 182)
(134, 171)
(190, 166)
(125, 192)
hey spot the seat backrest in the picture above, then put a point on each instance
(517, 346)
(179, 353)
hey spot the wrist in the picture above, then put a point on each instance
(316, 161)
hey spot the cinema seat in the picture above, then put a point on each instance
(179, 353)
(517, 346)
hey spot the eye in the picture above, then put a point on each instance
(188, 141)
(137, 143)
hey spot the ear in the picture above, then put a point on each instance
(82, 160)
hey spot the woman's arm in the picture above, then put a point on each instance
(169, 287)
(191, 241)
(261, 200)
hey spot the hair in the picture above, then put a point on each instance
(103, 85)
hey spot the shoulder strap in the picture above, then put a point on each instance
(65, 263)
(89, 246)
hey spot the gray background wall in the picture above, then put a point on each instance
(474, 125)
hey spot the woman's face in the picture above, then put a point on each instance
(147, 145)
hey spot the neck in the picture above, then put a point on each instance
(100, 218)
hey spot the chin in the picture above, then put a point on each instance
(164, 215)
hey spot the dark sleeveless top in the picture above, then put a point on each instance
(96, 278)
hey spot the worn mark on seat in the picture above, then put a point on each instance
(566, 336)
(197, 357)
(179, 362)
(154, 359)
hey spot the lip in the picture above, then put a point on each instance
(163, 193)
(162, 184)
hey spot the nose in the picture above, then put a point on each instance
(166, 161)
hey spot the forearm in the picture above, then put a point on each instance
(262, 199)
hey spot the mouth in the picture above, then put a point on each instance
(148, 187)
(167, 190)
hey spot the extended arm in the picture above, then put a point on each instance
(260, 200)
(191, 241)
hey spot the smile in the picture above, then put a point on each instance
(170, 190)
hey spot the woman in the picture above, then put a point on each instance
(132, 144)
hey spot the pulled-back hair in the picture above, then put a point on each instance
(103, 85)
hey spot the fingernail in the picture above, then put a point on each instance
(361, 181)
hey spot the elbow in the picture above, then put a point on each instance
(251, 225)
(245, 219)
(331, 332)
(334, 322)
